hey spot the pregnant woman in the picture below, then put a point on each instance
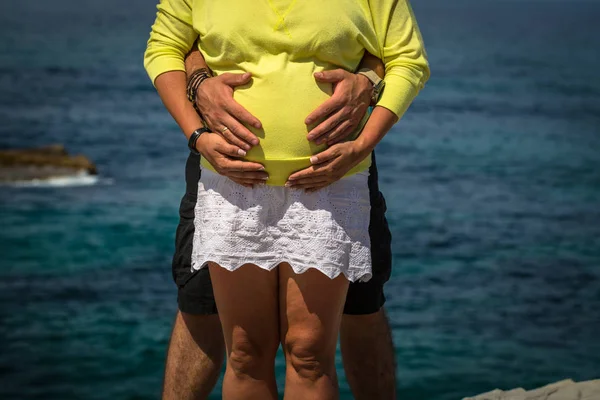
(281, 257)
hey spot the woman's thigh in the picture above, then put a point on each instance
(247, 302)
(311, 307)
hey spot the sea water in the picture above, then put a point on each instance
(492, 181)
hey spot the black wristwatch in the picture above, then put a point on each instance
(194, 138)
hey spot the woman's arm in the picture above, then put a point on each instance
(171, 87)
(402, 51)
(406, 68)
(406, 71)
(171, 39)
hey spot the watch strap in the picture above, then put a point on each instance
(194, 138)
(377, 82)
(371, 75)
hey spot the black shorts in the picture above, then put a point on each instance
(195, 295)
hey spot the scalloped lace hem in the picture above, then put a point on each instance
(362, 276)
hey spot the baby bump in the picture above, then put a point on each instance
(282, 101)
(282, 105)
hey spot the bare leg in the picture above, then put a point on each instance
(368, 354)
(311, 307)
(194, 358)
(249, 311)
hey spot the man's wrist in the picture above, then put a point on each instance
(365, 80)
(376, 83)
(193, 83)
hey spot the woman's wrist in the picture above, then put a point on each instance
(171, 87)
(380, 122)
(363, 146)
(190, 123)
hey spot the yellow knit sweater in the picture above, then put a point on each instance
(282, 43)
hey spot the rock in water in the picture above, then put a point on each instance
(42, 163)
(563, 390)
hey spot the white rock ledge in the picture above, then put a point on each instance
(563, 390)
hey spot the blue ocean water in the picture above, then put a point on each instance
(492, 182)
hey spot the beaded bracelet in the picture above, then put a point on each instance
(194, 82)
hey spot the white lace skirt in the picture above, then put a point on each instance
(266, 225)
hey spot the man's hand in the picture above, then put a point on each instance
(222, 156)
(328, 166)
(214, 99)
(344, 110)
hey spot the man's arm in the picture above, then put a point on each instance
(373, 63)
(407, 70)
(343, 112)
(172, 37)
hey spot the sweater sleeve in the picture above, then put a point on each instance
(171, 38)
(402, 51)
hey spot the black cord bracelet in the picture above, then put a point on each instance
(194, 83)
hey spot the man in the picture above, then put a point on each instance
(196, 347)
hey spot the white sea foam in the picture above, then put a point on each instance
(78, 179)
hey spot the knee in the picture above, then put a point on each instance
(309, 358)
(244, 360)
(251, 359)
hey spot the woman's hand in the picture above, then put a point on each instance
(333, 163)
(223, 157)
(328, 166)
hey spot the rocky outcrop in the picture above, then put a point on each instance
(563, 390)
(42, 163)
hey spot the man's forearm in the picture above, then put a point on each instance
(373, 63)
(353, 95)
(194, 61)
(171, 87)
(213, 100)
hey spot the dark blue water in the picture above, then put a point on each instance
(492, 181)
